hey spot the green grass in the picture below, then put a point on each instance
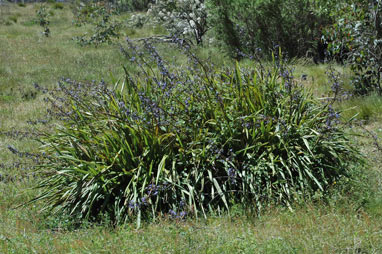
(367, 108)
(313, 229)
(26, 56)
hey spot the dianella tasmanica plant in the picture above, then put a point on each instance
(187, 141)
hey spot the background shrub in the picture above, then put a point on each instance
(188, 141)
(132, 5)
(89, 11)
(357, 37)
(186, 18)
(58, 6)
(246, 26)
(13, 18)
(138, 20)
(42, 16)
(105, 29)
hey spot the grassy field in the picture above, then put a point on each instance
(350, 222)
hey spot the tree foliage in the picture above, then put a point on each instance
(357, 37)
(182, 17)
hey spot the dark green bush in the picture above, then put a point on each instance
(13, 18)
(132, 5)
(357, 38)
(58, 6)
(245, 26)
(188, 141)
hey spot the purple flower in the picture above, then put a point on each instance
(172, 213)
(132, 204)
(144, 201)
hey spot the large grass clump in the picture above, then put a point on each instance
(188, 140)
